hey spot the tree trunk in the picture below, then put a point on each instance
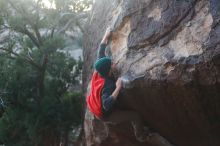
(40, 85)
(41, 77)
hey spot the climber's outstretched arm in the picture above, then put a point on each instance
(103, 44)
(106, 36)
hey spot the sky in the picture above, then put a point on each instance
(48, 4)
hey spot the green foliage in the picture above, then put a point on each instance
(72, 5)
(36, 74)
(27, 122)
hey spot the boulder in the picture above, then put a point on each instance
(170, 52)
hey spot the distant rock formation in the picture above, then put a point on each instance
(170, 49)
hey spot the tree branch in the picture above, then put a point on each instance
(52, 32)
(26, 59)
(36, 28)
(62, 30)
(25, 30)
(75, 18)
(31, 36)
(80, 27)
(38, 35)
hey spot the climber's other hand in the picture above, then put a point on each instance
(119, 83)
(108, 32)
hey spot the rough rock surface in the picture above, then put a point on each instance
(170, 49)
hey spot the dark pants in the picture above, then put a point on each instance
(122, 116)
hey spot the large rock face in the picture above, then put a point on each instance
(171, 51)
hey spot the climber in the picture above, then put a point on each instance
(105, 91)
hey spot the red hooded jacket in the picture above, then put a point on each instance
(94, 100)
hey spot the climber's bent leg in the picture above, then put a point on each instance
(123, 116)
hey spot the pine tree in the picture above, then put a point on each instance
(36, 74)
